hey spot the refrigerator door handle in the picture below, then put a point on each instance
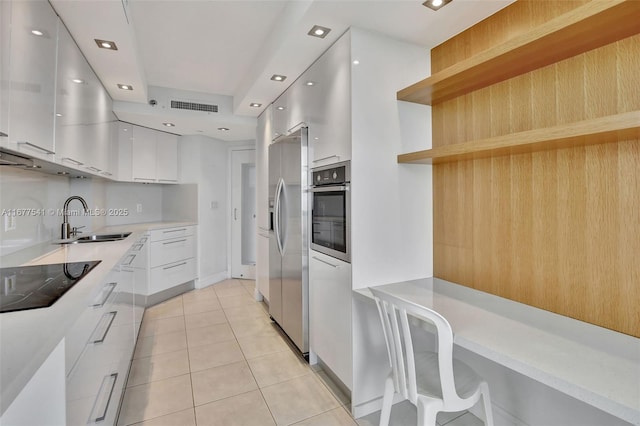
(276, 221)
(284, 208)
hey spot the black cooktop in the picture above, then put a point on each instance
(39, 286)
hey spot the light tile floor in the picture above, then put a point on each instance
(213, 357)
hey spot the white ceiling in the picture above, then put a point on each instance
(225, 51)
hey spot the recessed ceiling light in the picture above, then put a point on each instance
(318, 31)
(435, 4)
(310, 83)
(37, 33)
(125, 86)
(277, 77)
(77, 81)
(63, 173)
(106, 44)
(223, 129)
(280, 108)
(255, 105)
(169, 124)
(58, 114)
(356, 62)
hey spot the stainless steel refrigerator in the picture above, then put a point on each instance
(289, 237)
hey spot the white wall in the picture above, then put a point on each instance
(391, 203)
(204, 161)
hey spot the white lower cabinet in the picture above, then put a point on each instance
(165, 259)
(99, 348)
(330, 314)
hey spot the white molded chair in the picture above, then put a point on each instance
(432, 381)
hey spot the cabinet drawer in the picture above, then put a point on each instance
(167, 276)
(170, 251)
(78, 335)
(165, 234)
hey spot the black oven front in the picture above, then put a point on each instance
(331, 210)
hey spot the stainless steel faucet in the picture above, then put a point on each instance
(67, 231)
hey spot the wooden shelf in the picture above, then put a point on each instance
(588, 132)
(587, 27)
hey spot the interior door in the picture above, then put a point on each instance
(243, 214)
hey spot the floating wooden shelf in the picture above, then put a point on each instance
(588, 132)
(587, 27)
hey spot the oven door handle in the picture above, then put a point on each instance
(276, 222)
(329, 188)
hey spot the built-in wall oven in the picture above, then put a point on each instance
(331, 210)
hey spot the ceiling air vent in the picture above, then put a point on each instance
(194, 106)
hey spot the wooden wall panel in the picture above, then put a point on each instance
(557, 229)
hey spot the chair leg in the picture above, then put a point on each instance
(486, 401)
(427, 413)
(387, 401)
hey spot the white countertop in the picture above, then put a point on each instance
(595, 365)
(28, 337)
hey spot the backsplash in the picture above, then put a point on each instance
(36, 200)
(33, 199)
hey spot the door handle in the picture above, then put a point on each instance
(104, 300)
(106, 331)
(276, 222)
(46, 151)
(325, 262)
(235, 214)
(114, 378)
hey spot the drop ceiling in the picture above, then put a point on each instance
(224, 52)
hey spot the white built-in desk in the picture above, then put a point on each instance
(592, 364)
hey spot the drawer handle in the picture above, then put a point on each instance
(173, 242)
(174, 230)
(167, 180)
(113, 287)
(107, 174)
(144, 179)
(326, 158)
(71, 160)
(32, 145)
(129, 259)
(114, 379)
(94, 169)
(106, 331)
(325, 262)
(175, 266)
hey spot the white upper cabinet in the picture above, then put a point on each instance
(279, 117)
(5, 50)
(144, 154)
(124, 151)
(328, 104)
(83, 112)
(32, 78)
(166, 159)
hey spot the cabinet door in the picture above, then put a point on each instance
(124, 148)
(34, 35)
(297, 103)
(279, 117)
(5, 51)
(330, 313)
(144, 154)
(167, 157)
(71, 98)
(328, 105)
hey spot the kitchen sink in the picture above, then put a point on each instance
(99, 238)
(94, 238)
